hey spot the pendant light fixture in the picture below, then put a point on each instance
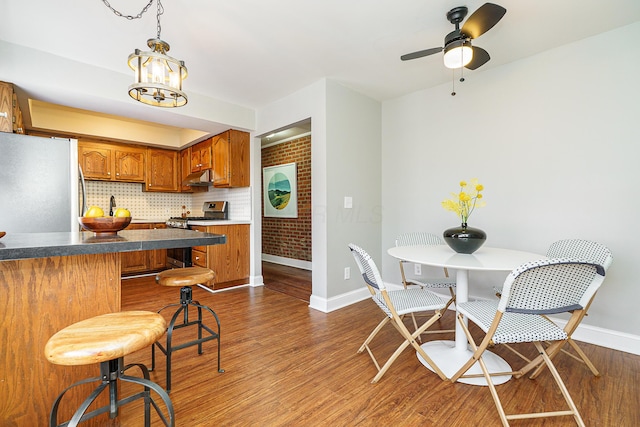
(158, 77)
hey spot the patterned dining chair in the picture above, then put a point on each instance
(530, 293)
(395, 305)
(588, 251)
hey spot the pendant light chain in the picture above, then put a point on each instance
(160, 12)
(130, 17)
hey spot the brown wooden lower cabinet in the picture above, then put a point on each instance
(144, 261)
(230, 262)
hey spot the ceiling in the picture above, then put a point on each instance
(251, 53)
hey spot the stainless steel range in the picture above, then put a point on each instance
(213, 211)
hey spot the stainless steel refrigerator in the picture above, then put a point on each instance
(40, 184)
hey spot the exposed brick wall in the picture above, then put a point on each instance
(290, 237)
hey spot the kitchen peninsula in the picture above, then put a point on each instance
(47, 282)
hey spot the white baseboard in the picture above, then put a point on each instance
(608, 338)
(615, 340)
(255, 281)
(297, 263)
(334, 303)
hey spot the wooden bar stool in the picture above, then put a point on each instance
(106, 339)
(185, 278)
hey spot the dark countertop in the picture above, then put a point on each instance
(44, 245)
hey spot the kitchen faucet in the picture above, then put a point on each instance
(112, 204)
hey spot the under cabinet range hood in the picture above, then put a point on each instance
(198, 179)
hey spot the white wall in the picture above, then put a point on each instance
(345, 161)
(555, 140)
(353, 170)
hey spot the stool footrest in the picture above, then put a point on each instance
(169, 348)
(110, 372)
(213, 336)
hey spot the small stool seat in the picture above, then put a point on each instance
(185, 278)
(106, 339)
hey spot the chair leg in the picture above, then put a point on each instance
(365, 345)
(563, 388)
(412, 338)
(419, 349)
(408, 339)
(390, 361)
(584, 357)
(415, 326)
(373, 333)
(451, 300)
(545, 359)
(494, 392)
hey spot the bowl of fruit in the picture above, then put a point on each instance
(94, 220)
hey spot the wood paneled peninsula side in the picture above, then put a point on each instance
(49, 281)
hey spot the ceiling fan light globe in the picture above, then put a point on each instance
(458, 56)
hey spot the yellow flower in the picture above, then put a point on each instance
(464, 202)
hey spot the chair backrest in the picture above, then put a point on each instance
(367, 267)
(581, 249)
(551, 286)
(418, 238)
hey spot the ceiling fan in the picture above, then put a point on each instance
(458, 51)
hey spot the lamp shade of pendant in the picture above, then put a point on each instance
(158, 77)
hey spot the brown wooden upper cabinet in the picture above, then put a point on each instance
(162, 170)
(231, 159)
(109, 162)
(10, 113)
(201, 156)
(185, 169)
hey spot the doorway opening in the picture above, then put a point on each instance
(286, 209)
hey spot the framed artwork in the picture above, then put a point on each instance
(280, 191)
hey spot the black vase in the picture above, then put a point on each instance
(463, 239)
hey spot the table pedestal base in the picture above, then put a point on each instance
(449, 360)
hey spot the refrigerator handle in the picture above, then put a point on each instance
(83, 202)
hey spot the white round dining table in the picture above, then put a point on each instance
(451, 355)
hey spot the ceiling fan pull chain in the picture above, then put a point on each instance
(453, 82)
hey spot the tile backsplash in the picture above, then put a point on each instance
(161, 206)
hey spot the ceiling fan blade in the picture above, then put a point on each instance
(482, 20)
(480, 57)
(421, 53)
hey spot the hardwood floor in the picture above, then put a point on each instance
(291, 281)
(289, 365)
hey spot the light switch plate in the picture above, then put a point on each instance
(348, 202)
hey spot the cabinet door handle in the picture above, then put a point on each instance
(4, 114)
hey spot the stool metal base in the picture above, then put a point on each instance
(110, 372)
(186, 302)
